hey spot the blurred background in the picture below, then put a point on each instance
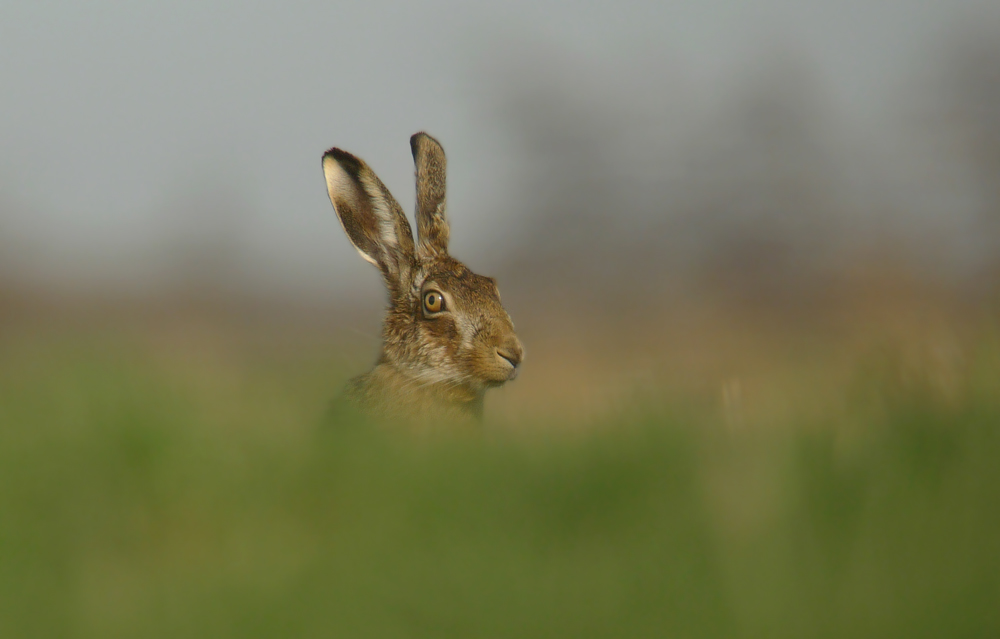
(639, 176)
(769, 217)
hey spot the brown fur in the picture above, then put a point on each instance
(433, 366)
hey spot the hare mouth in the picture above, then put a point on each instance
(513, 361)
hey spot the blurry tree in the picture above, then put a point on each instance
(203, 252)
(6, 250)
(569, 183)
(7, 256)
(766, 209)
(14, 254)
(628, 193)
(972, 105)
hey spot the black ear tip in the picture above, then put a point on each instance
(350, 163)
(335, 153)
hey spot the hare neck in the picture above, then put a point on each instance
(411, 391)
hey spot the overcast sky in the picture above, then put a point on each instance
(114, 116)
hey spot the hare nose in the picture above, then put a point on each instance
(512, 351)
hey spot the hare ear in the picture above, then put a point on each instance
(432, 225)
(371, 217)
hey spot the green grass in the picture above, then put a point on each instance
(144, 499)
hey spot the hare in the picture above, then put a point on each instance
(446, 338)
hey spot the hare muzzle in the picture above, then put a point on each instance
(511, 353)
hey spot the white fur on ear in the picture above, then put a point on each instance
(344, 190)
(383, 210)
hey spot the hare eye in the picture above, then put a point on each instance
(433, 302)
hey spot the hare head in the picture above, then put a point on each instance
(446, 337)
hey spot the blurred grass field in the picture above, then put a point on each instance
(184, 482)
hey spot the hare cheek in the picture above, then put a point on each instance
(442, 337)
(468, 338)
(442, 329)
